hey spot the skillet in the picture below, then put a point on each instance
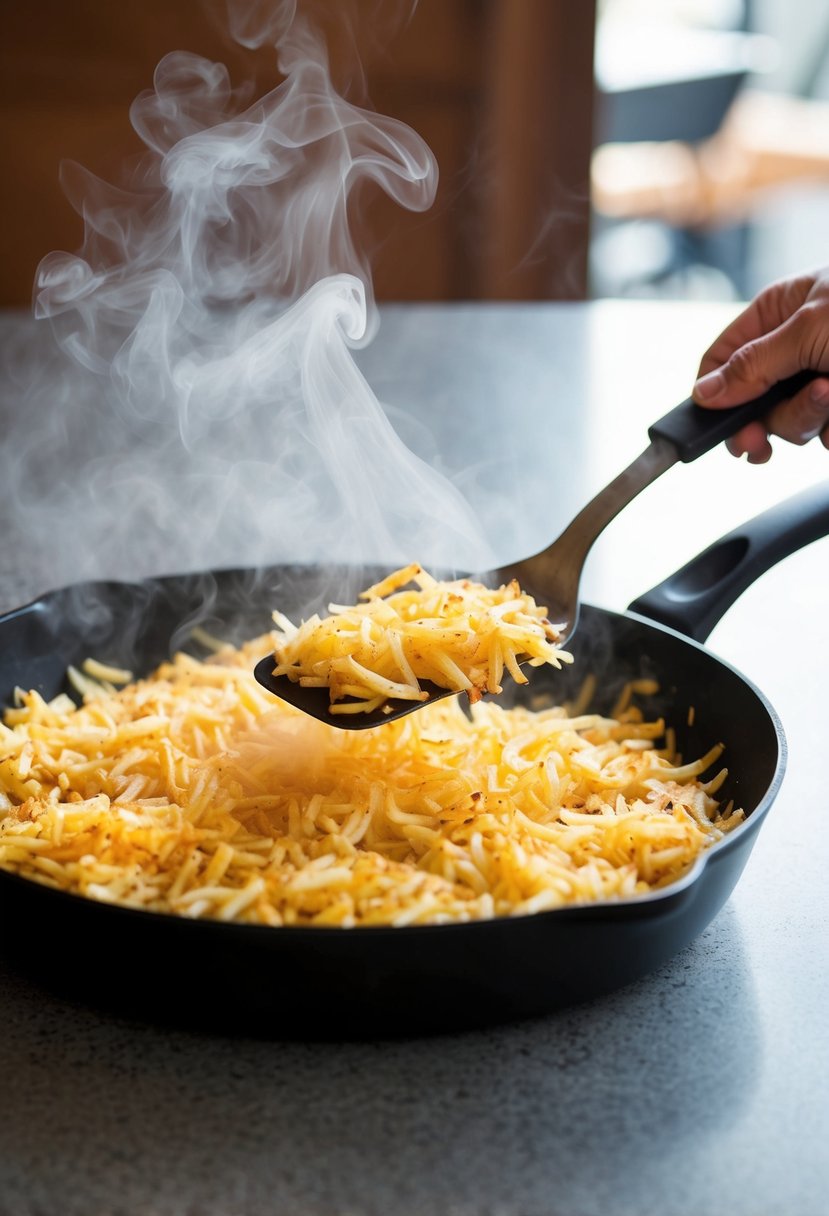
(419, 979)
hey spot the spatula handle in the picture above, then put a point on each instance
(695, 430)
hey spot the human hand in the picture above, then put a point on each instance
(784, 330)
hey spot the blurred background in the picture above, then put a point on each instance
(633, 148)
(710, 171)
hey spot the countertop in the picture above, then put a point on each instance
(700, 1089)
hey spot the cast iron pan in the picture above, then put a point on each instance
(384, 981)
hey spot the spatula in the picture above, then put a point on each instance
(552, 576)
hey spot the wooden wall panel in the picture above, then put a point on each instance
(500, 89)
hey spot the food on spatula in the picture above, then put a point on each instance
(459, 635)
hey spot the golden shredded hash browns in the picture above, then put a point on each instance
(194, 792)
(459, 635)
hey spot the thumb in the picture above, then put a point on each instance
(752, 368)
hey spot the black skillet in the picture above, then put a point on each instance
(382, 981)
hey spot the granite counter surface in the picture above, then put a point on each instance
(700, 1089)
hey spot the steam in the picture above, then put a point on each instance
(205, 333)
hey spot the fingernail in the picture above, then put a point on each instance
(710, 386)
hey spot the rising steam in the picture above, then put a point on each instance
(206, 329)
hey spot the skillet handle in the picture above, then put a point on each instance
(694, 430)
(694, 599)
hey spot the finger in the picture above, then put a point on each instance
(744, 328)
(773, 306)
(757, 365)
(753, 442)
(800, 419)
(804, 416)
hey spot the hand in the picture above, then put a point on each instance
(783, 331)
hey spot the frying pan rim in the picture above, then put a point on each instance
(578, 912)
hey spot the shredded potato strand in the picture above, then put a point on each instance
(191, 793)
(459, 635)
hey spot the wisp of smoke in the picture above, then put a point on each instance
(206, 397)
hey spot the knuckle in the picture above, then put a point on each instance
(806, 319)
(809, 333)
(746, 365)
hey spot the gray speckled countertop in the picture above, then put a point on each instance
(700, 1089)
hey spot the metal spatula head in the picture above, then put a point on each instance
(553, 576)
